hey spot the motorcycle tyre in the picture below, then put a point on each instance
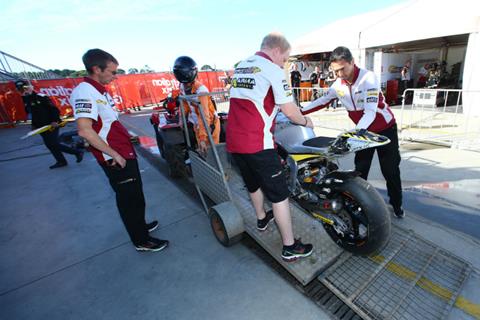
(379, 223)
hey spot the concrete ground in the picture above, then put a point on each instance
(65, 253)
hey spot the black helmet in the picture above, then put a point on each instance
(185, 69)
(21, 84)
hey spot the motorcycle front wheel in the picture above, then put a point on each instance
(365, 214)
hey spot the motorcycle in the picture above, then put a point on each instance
(351, 210)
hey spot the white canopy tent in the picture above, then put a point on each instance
(416, 20)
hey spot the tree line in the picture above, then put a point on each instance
(68, 73)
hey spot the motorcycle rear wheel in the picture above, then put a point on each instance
(365, 212)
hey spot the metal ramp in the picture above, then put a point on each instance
(210, 181)
(325, 250)
(410, 279)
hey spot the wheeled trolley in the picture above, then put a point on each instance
(233, 214)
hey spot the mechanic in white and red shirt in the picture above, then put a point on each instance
(259, 90)
(110, 143)
(359, 92)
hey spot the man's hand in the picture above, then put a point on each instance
(119, 160)
(202, 148)
(309, 122)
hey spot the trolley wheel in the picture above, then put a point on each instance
(226, 223)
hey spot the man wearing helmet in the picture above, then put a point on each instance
(259, 90)
(185, 70)
(44, 112)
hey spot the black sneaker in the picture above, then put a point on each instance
(263, 224)
(152, 225)
(398, 212)
(152, 244)
(296, 251)
(58, 165)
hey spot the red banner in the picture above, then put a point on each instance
(11, 104)
(128, 92)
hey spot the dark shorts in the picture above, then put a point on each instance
(263, 170)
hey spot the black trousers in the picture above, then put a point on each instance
(50, 138)
(389, 159)
(127, 184)
(296, 96)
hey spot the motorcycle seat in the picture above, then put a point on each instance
(318, 142)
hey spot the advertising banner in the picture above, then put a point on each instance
(128, 92)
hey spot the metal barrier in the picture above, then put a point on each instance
(12, 68)
(440, 116)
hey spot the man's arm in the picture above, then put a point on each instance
(85, 130)
(202, 131)
(321, 102)
(292, 112)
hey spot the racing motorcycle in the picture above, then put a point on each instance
(351, 210)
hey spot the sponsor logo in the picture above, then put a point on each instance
(372, 93)
(83, 105)
(340, 93)
(56, 91)
(250, 70)
(360, 101)
(60, 92)
(246, 83)
(372, 89)
(286, 87)
(117, 99)
(372, 99)
(394, 69)
(358, 92)
(167, 85)
(101, 101)
(82, 110)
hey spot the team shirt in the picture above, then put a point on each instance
(362, 99)
(258, 87)
(91, 100)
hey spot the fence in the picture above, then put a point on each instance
(447, 117)
(12, 68)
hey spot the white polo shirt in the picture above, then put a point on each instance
(258, 87)
(91, 100)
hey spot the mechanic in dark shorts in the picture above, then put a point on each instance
(259, 90)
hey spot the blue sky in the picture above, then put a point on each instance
(55, 34)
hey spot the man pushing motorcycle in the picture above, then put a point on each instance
(259, 90)
(359, 92)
